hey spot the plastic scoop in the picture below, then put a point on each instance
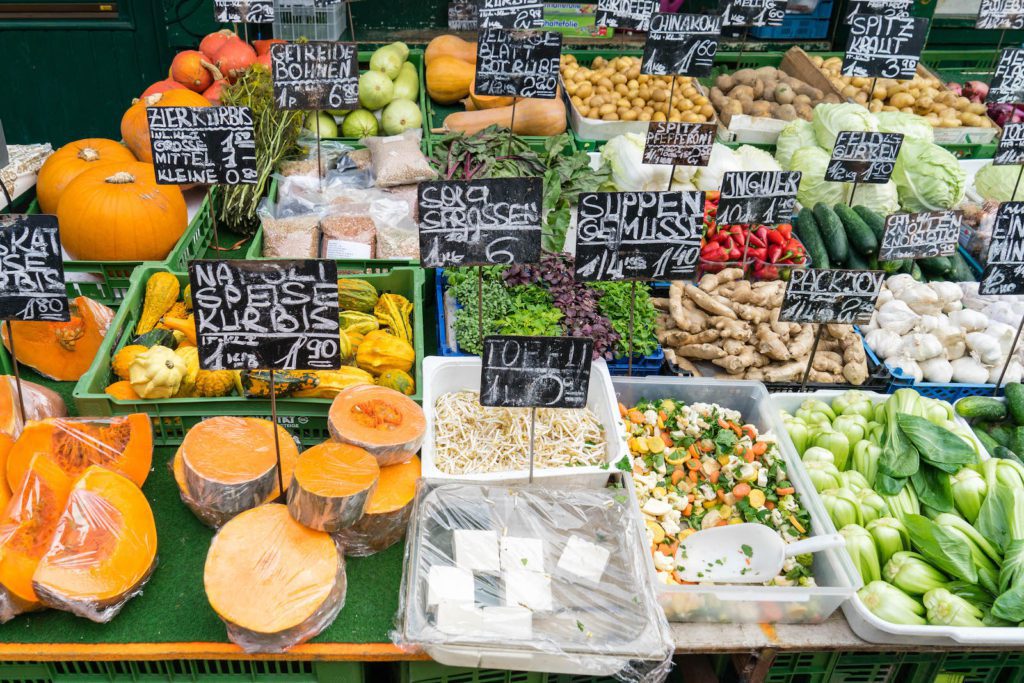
(742, 553)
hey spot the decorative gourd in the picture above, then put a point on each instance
(161, 294)
(388, 424)
(393, 311)
(135, 125)
(118, 213)
(361, 323)
(191, 69)
(70, 161)
(355, 338)
(451, 46)
(214, 383)
(356, 295)
(123, 359)
(381, 352)
(256, 383)
(178, 310)
(123, 444)
(190, 356)
(157, 373)
(398, 380)
(186, 326)
(122, 391)
(345, 348)
(533, 117)
(157, 337)
(387, 514)
(62, 350)
(40, 403)
(112, 559)
(486, 101)
(448, 79)
(331, 382)
(186, 297)
(333, 482)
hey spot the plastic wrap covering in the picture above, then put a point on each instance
(40, 403)
(333, 482)
(274, 582)
(385, 422)
(387, 514)
(226, 465)
(508, 576)
(103, 550)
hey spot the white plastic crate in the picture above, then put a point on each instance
(312, 19)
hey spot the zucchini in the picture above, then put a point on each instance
(832, 234)
(874, 221)
(807, 231)
(981, 408)
(962, 271)
(858, 233)
(935, 266)
(1015, 401)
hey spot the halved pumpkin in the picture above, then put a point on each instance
(62, 351)
(30, 521)
(40, 403)
(385, 422)
(387, 514)
(274, 582)
(331, 486)
(103, 551)
(229, 465)
(123, 444)
(6, 444)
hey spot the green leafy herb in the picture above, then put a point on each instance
(623, 464)
(747, 550)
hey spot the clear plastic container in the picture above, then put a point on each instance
(833, 571)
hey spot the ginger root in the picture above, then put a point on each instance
(700, 351)
(709, 302)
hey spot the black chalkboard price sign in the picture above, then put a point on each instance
(863, 157)
(831, 296)
(316, 75)
(519, 14)
(480, 222)
(209, 145)
(681, 44)
(1007, 15)
(670, 143)
(1007, 85)
(267, 315)
(749, 13)
(919, 235)
(536, 372)
(883, 8)
(638, 235)
(1010, 150)
(243, 11)
(884, 47)
(634, 15)
(1004, 273)
(757, 197)
(518, 63)
(462, 15)
(31, 269)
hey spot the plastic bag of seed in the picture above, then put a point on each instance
(397, 159)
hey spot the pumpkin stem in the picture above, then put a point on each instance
(121, 178)
(88, 154)
(151, 100)
(214, 71)
(69, 333)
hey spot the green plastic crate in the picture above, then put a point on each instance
(183, 671)
(305, 418)
(197, 239)
(432, 672)
(802, 667)
(966, 667)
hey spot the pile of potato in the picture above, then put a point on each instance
(615, 90)
(922, 95)
(767, 92)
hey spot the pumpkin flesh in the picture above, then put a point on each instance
(332, 484)
(382, 421)
(61, 350)
(40, 403)
(70, 161)
(387, 514)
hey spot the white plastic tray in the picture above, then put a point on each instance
(443, 375)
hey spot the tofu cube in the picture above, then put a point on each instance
(522, 553)
(508, 622)
(449, 584)
(477, 550)
(459, 618)
(527, 589)
(583, 560)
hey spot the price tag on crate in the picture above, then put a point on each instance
(316, 75)
(863, 157)
(750, 13)
(480, 222)
(884, 47)
(1010, 150)
(670, 143)
(880, 8)
(1004, 273)
(519, 14)
(243, 11)
(1006, 15)
(1007, 86)
(31, 269)
(518, 63)
(681, 44)
(208, 145)
(462, 15)
(831, 296)
(920, 235)
(266, 315)
(638, 235)
(757, 197)
(634, 15)
(536, 372)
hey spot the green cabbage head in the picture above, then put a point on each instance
(797, 133)
(831, 119)
(927, 177)
(911, 125)
(812, 162)
(997, 183)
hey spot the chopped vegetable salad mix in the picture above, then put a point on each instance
(697, 466)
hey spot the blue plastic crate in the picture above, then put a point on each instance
(811, 26)
(642, 365)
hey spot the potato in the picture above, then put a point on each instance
(784, 94)
(801, 99)
(875, 106)
(659, 95)
(850, 91)
(786, 112)
(861, 97)
(732, 107)
(761, 108)
(706, 111)
(745, 77)
(724, 83)
(742, 92)
(758, 88)
(804, 111)
(901, 100)
(658, 116)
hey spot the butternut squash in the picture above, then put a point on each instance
(451, 46)
(331, 487)
(448, 79)
(533, 117)
(481, 102)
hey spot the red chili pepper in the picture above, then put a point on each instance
(767, 273)
(786, 230)
(759, 253)
(727, 243)
(754, 240)
(713, 252)
(775, 237)
(774, 252)
(735, 254)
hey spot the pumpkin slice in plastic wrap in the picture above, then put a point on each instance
(385, 422)
(62, 350)
(274, 582)
(332, 485)
(30, 522)
(227, 465)
(387, 514)
(104, 548)
(40, 403)
(123, 444)
(6, 444)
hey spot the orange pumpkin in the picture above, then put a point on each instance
(68, 162)
(61, 351)
(119, 213)
(191, 69)
(215, 41)
(135, 126)
(162, 86)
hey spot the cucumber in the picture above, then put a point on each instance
(1015, 401)
(807, 231)
(858, 233)
(1003, 434)
(855, 261)
(987, 441)
(892, 267)
(962, 271)
(1017, 445)
(935, 265)
(874, 221)
(981, 408)
(915, 272)
(832, 234)
(1004, 453)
